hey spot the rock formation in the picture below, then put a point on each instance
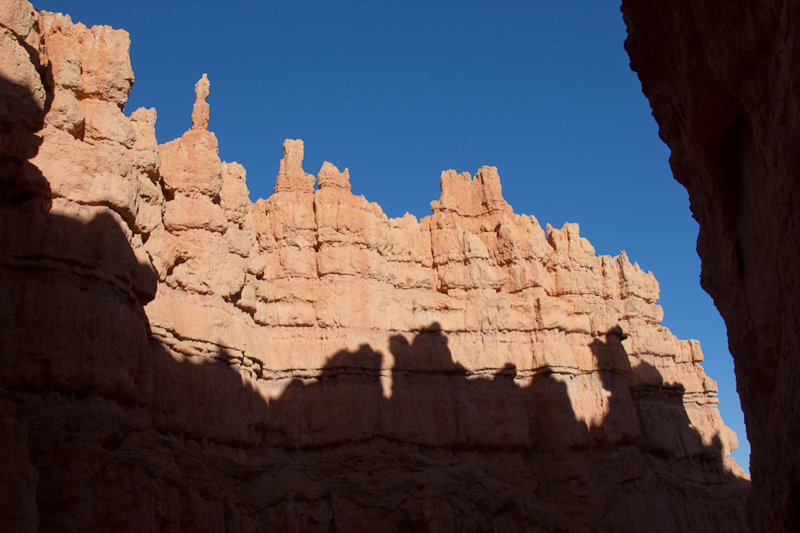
(176, 357)
(722, 79)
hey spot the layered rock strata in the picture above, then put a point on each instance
(722, 79)
(176, 357)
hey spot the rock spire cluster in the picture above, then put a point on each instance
(176, 356)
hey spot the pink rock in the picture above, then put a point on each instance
(60, 51)
(175, 356)
(18, 16)
(471, 197)
(234, 195)
(201, 110)
(185, 213)
(191, 163)
(67, 113)
(329, 176)
(22, 94)
(105, 62)
(291, 176)
(105, 122)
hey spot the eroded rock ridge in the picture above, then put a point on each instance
(177, 357)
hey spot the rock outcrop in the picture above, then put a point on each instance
(722, 80)
(176, 357)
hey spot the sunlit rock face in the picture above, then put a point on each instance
(722, 80)
(176, 357)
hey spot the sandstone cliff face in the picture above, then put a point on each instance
(722, 80)
(176, 357)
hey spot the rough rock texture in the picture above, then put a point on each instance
(722, 78)
(175, 357)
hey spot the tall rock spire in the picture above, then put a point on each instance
(201, 109)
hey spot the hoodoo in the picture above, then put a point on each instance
(174, 356)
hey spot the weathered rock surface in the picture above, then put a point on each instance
(722, 80)
(175, 357)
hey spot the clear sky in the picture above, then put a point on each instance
(400, 90)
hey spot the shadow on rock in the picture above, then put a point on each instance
(106, 426)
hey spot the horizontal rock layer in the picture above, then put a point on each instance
(175, 356)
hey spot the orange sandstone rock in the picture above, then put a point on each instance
(18, 16)
(291, 176)
(329, 176)
(177, 356)
(201, 110)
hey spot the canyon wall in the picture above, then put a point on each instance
(176, 357)
(722, 79)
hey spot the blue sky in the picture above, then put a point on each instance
(399, 91)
